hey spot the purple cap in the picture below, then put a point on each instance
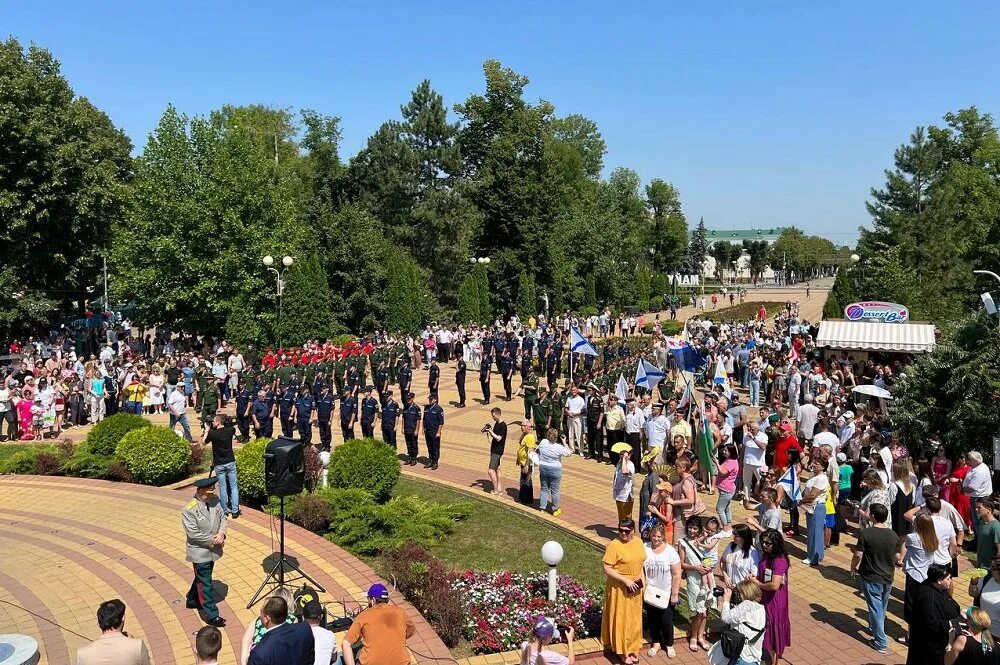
(543, 628)
(378, 592)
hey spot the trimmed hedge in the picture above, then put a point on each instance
(366, 464)
(154, 455)
(250, 470)
(104, 438)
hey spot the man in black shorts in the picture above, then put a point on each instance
(498, 439)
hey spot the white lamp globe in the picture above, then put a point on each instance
(486, 259)
(269, 260)
(472, 260)
(855, 258)
(552, 553)
(287, 261)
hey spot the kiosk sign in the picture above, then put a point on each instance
(876, 311)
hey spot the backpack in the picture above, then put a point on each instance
(732, 641)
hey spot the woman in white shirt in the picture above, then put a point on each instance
(985, 592)
(929, 543)
(748, 618)
(740, 558)
(663, 584)
(624, 480)
(550, 453)
(814, 504)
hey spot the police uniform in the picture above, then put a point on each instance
(244, 398)
(369, 409)
(433, 377)
(405, 377)
(484, 380)
(411, 418)
(433, 421)
(285, 404)
(390, 413)
(262, 410)
(303, 417)
(382, 384)
(507, 373)
(324, 411)
(460, 381)
(202, 522)
(348, 413)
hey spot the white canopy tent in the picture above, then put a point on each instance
(876, 336)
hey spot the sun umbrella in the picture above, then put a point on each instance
(873, 391)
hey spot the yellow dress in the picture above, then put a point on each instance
(621, 628)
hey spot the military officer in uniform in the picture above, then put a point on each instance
(433, 424)
(209, 403)
(433, 376)
(285, 404)
(390, 413)
(484, 379)
(529, 388)
(411, 420)
(369, 409)
(304, 416)
(382, 382)
(262, 413)
(244, 398)
(506, 363)
(460, 382)
(324, 412)
(348, 415)
(205, 527)
(540, 410)
(405, 378)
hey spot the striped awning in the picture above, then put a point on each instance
(876, 336)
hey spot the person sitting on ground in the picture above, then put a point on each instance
(284, 643)
(536, 651)
(207, 644)
(326, 643)
(255, 629)
(114, 646)
(378, 635)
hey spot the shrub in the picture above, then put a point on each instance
(671, 327)
(118, 471)
(314, 467)
(250, 470)
(21, 462)
(86, 464)
(47, 464)
(429, 585)
(367, 464)
(104, 438)
(65, 449)
(154, 455)
(197, 463)
(369, 528)
(310, 512)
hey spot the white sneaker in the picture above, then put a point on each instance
(807, 561)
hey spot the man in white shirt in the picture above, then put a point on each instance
(575, 407)
(808, 415)
(656, 429)
(107, 353)
(326, 644)
(978, 483)
(177, 406)
(754, 448)
(824, 437)
(635, 423)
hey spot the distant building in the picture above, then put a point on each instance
(736, 237)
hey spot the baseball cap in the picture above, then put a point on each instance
(378, 592)
(841, 458)
(543, 628)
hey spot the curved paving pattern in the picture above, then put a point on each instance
(69, 544)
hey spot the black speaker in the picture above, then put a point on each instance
(284, 467)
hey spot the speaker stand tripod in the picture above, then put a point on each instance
(276, 578)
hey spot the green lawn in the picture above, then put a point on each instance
(9, 449)
(497, 537)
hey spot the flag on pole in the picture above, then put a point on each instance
(685, 355)
(621, 390)
(721, 376)
(705, 444)
(790, 482)
(579, 344)
(648, 375)
(686, 397)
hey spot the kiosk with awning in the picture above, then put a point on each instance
(876, 336)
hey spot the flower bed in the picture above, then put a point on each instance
(500, 608)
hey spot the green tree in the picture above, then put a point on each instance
(590, 291)
(63, 187)
(405, 295)
(670, 232)
(757, 251)
(527, 297)
(468, 300)
(643, 285)
(725, 254)
(698, 249)
(356, 255)
(658, 288)
(305, 308)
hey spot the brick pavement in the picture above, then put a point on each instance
(69, 544)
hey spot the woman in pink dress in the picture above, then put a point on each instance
(24, 417)
(940, 470)
(772, 577)
(959, 499)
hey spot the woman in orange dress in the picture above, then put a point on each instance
(958, 498)
(621, 627)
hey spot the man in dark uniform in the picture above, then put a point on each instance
(325, 405)
(205, 528)
(348, 416)
(209, 403)
(529, 389)
(460, 381)
(390, 413)
(369, 409)
(488, 350)
(285, 404)
(433, 425)
(552, 368)
(499, 346)
(540, 411)
(405, 378)
(506, 363)
(382, 382)
(319, 382)
(353, 380)
(244, 398)
(595, 423)
(411, 421)
(304, 416)
(527, 344)
(433, 376)
(262, 413)
(484, 379)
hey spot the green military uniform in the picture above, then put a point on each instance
(201, 381)
(558, 404)
(284, 374)
(530, 388)
(210, 402)
(540, 411)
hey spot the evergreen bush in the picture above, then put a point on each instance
(103, 439)
(365, 464)
(154, 455)
(250, 470)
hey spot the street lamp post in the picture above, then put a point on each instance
(552, 554)
(287, 262)
(987, 297)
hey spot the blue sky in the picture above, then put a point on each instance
(762, 113)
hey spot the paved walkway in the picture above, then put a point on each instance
(68, 544)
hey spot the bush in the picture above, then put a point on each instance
(65, 449)
(154, 455)
(119, 472)
(197, 463)
(311, 512)
(370, 528)
(314, 467)
(671, 327)
(341, 340)
(47, 464)
(104, 438)
(366, 464)
(86, 464)
(21, 462)
(429, 585)
(250, 470)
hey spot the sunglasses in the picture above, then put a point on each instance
(624, 530)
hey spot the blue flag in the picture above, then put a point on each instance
(648, 375)
(579, 344)
(685, 355)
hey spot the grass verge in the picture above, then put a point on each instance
(9, 449)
